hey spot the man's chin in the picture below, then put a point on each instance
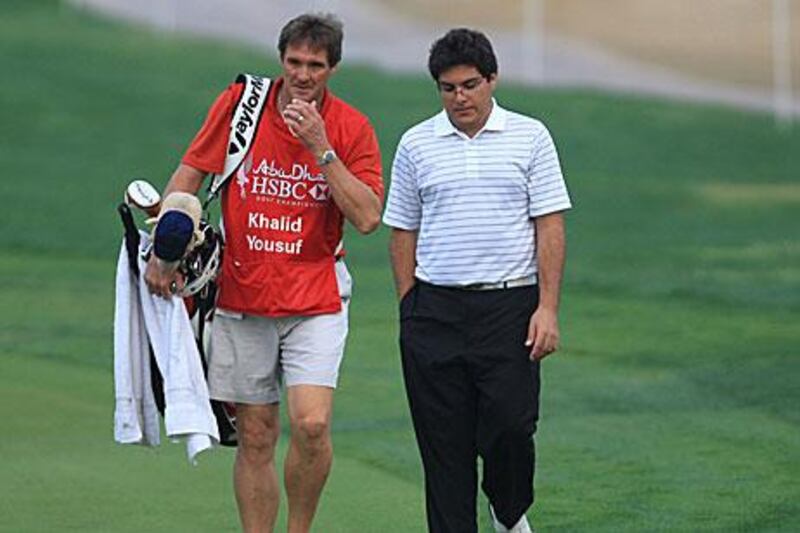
(462, 121)
(304, 95)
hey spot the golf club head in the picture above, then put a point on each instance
(143, 195)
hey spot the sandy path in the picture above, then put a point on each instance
(375, 35)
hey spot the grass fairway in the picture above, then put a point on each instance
(673, 405)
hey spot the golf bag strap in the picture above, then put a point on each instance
(131, 237)
(246, 118)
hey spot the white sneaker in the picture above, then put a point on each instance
(520, 527)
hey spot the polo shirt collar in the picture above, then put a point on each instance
(496, 122)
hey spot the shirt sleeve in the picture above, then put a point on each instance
(363, 159)
(547, 191)
(209, 147)
(403, 208)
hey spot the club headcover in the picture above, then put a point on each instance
(177, 228)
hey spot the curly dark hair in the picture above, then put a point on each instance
(462, 46)
(319, 30)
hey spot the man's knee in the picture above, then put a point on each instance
(506, 435)
(311, 431)
(258, 436)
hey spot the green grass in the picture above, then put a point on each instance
(673, 405)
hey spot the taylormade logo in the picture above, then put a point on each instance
(247, 115)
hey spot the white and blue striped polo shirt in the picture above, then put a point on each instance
(473, 201)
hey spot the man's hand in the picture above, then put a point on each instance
(163, 278)
(360, 205)
(402, 291)
(402, 252)
(305, 123)
(543, 334)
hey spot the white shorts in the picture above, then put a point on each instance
(251, 356)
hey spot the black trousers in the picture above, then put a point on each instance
(472, 390)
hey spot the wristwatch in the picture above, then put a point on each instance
(327, 157)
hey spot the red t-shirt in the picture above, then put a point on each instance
(282, 227)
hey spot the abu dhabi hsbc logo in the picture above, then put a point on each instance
(320, 192)
(241, 176)
(270, 180)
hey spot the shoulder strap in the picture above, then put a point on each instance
(246, 118)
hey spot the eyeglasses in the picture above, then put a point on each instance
(466, 87)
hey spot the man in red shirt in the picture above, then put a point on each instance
(281, 314)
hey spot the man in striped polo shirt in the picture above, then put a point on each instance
(477, 250)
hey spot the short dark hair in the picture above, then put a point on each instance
(462, 46)
(319, 30)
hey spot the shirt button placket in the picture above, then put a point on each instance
(472, 161)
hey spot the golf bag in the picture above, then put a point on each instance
(199, 270)
(201, 265)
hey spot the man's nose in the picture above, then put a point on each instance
(302, 72)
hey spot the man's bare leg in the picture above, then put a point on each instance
(310, 454)
(254, 477)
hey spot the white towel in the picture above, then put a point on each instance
(188, 411)
(135, 415)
